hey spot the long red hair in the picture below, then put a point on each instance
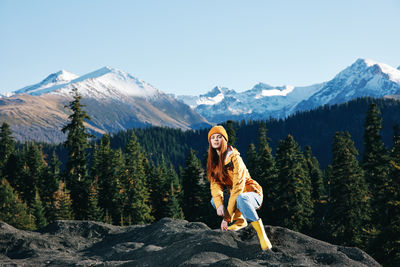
(215, 162)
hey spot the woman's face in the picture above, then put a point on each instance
(216, 141)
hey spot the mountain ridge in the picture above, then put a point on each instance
(62, 82)
(364, 78)
(115, 100)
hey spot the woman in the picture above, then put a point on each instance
(226, 170)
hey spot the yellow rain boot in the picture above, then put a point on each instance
(240, 221)
(262, 236)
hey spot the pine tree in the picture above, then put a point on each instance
(266, 175)
(348, 213)
(38, 212)
(158, 186)
(315, 174)
(294, 207)
(36, 169)
(107, 170)
(255, 155)
(386, 247)
(7, 146)
(62, 203)
(376, 165)
(172, 207)
(252, 160)
(328, 178)
(317, 189)
(94, 212)
(321, 228)
(230, 130)
(262, 136)
(12, 209)
(30, 176)
(77, 142)
(14, 172)
(51, 181)
(136, 206)
(193, 182)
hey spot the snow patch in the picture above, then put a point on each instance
(210, 100)
(275, 92)
(393, 73)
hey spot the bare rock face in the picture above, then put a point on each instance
(167, 242)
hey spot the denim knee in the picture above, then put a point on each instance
(241, 201)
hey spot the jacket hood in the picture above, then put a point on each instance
(231, 152)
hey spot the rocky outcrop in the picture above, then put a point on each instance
(167, 242)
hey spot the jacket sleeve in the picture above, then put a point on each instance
(217, 193)
(238, 183)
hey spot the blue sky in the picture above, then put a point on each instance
(190, 46)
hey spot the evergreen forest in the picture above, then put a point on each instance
(332, 173)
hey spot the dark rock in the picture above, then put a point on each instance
(167, 242)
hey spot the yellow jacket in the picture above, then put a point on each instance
(238, 181)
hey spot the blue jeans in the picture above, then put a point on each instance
(247, 203)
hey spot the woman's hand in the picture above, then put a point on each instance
(224, 225)
(221, 211)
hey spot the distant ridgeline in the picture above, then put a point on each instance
(314, 128)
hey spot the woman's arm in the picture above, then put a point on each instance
(217, 193)
(238, 183)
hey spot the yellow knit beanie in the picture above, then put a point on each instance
(218, 130)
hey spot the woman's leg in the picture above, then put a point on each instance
(247, 203)
(239, 220)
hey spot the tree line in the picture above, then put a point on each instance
(354, 201)
(315, 128)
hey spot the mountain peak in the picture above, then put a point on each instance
(217, 90)
(58, 78)
(261, 86)
(398, 67)
(364, 78)
(61, 76)
(107, 69)
(361, 64)
(365, 61)
(370, 67)
(97, 73)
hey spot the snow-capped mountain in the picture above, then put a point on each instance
(48, 84)
(262, 101)
(104, 83)
(363, 78)
(115, 100)
(213, 97)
